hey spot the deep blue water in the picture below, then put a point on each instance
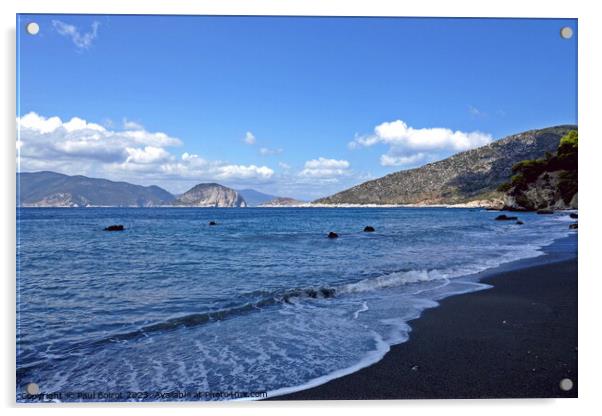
(261, 302)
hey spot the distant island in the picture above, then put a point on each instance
(210, 195)
(532, 170)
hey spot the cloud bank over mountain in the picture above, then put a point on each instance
(77, 146)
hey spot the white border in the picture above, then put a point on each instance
(590, 129)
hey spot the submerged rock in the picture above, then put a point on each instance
(573, 226)
(320, 293)
(212, 223)
(332, 234)
(369, 229)
(327, 292)
(519, 222)
(114, 228)
(573, 215)
(505, 217)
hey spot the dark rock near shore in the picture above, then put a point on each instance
(545, 211)
(332, 234)
(320, 293)
(519, 222)
(573, 226)
(327, 292)
(212, 223)
(573, 215)
(114, 228)
(369, 229)
(505, 217)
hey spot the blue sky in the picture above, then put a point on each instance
(301, 107)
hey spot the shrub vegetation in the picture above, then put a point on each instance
(565, 159)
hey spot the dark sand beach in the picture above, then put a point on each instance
(515, 340)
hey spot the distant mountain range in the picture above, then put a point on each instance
(464, 177)
(51, 189)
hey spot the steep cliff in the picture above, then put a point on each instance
(548, 183)
(211, 195)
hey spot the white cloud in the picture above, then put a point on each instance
(408, 145)
(52, 139)
(149, 154)
(132, 125)
(193, 166)
(77, 123)
(250, 138)
(41, 124)
(80, 147)
(154, 139)
(325, 168)
(227, 172)
(81, 40)
(266, 151)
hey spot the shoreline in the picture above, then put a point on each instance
(516, 339)
(307, 206)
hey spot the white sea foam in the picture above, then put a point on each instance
(363, 308)
(392, 280)
(369, 358)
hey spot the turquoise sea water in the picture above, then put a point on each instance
(261, 302)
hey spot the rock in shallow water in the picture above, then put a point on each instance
(115, 228)
(332, 234)
(573, 226)
(504, 217)
(212, 223)
(369, 229)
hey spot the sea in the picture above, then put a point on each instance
(261, 304)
